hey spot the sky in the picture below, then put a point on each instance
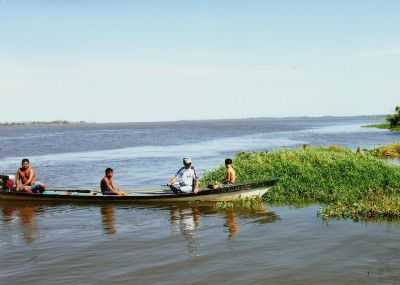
(125, 61)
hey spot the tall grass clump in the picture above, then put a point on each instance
(388, 151)
(330, 176)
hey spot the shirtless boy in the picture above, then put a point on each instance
(107, 186)
(25, 179)
(230, 177)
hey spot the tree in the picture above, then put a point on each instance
(394, 120)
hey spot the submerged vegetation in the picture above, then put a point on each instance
(346, 183)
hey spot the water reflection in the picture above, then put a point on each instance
(8, 213)
(26, 216)
(231, 224)
(185, 220)
(107, 217)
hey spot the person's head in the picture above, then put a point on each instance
(228, 162)
(187, 162)
(109, 172)
(25, 163)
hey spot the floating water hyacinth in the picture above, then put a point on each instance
(338, 178)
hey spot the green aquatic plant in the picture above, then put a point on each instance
(329, 176)
(378, 204)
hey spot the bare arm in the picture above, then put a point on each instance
(227, 176)
(111, 186)
(172, 181)
(233, 177)
(17, 181)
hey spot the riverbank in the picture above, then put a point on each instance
(346, 183)
(383, 126)
(41, 123)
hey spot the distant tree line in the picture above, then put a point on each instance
(56, 122)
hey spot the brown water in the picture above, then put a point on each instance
(67, 244)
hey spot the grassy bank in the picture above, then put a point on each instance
(346, 183)
(384, 126)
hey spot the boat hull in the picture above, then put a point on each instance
(222, 197)
(228, 193)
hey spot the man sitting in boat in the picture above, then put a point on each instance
(186, 179)
(230, 177)
(107, 186)
(25, 179)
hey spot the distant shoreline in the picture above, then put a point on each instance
(65, 122)
(41, 123)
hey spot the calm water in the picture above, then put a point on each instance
(192, 244)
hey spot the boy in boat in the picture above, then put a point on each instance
(107, 186)
(25, 179)
(186, 179)
(230, 177)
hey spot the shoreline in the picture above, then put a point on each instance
(383, 126)
(71, 123)
(42, 123)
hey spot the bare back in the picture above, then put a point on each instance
(230, 177)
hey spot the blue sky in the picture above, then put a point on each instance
(175, 60)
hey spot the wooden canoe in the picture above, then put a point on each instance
(224, 193)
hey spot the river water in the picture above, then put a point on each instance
(186, 244)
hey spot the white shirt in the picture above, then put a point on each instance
(185, 178)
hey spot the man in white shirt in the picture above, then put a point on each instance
(186, 179)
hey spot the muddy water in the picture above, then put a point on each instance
(192, 244)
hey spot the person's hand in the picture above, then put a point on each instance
(196, 190)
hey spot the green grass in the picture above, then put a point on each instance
(341, 180)
(383, 126)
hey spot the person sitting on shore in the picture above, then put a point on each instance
(230, 177)
(25, 179)
(107, 186)
(186, 179)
